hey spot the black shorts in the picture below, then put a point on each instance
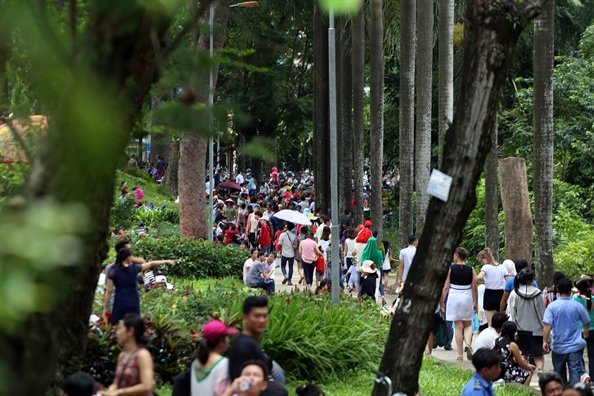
(530, 344)
(492, 299)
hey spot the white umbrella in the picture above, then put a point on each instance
(292, 216)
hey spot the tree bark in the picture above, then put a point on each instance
(446, 71)
(358, 26)
(516, 208)
(407, 117)
(490, 36)
(65, 170)
(321, 139)
(160, 142)
(377, 112)
(193, 221)
(544, 45)
(492, 199)
(170, 180)
(346, 114)
(424, 91)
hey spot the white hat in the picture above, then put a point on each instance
(366, 267)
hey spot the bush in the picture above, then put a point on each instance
(167, 230)
(307, 335)
(152, 217)
(122, 214)
(196, 258)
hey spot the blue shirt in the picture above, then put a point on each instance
(477, 386)
(564, 315)
(509, 284)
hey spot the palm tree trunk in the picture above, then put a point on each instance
(192, 147)
(424, 91)
(407, 117)
(492, 198)
(346, 114)
(446, 70)
(358, 26)
(490, 36)
(376, 151)
(544, 37)
(321, 114)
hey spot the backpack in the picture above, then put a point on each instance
(441, 335)
(295, 243)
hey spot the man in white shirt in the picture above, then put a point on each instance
(406, 258)
(326, 222)
(286, 240)
(248, 263)
(239, 178)
(487, 337)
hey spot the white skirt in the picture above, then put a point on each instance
(459, 306)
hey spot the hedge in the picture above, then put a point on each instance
(196, 258)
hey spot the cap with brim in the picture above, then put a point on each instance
(215, 330)
(312, 216)
(366, 267)
(229, 200)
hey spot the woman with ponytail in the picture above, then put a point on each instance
(526, 308)
(494, 276)
(209, 373)
(123, 276)
(584, 297)
(551, 293)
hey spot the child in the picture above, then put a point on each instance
(486, 362)
(353, 275)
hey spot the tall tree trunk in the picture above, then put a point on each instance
(193, 221)
(170, 180)
(544, 45)
(516, 208)
(120, 48)
(492, 198)
(358, 26)
(424, 91)
(321, 139)
(376, 151)
(160, 142)
(407, 117)
(446, 70)
(346, 103)
(490, 35)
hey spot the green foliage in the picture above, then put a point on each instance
(122, 213)
(167, 230)
(152, 217)
(153, 192)
(300, 324)
(196, 258)
(12, 179)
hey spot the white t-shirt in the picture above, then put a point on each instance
(407, 255)
(215, 381)
(494, 276)
(286, 240)
(350, 243)
(486, 339)
(239, 179)
(319, 231)
(248, 263)
(323, 246)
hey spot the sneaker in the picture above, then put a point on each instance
(539, 372)
(468, 351)
(448, 348)
(285, 280)
(289, 283)
(585, 378)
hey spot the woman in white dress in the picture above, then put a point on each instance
(462, 300)
(494, 276)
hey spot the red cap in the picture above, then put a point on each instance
(215, 330)
(368, 223)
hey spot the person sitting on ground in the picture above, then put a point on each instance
(249, 262)
(516, 368)
(577, 388)
(309, 390)
(252, 382)
(324, 286)
(486, 363)
(80, 385)
(209, 373)
(246, 345)
(550, 384)
(256, 276)
(369, 279)
(486, 339)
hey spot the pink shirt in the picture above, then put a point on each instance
(308, 250)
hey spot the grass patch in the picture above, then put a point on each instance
(153, 192)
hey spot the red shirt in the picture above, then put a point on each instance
(229, 236)
(264, 236)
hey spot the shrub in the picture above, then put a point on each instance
(151, 217)
(167, 230)
(122, 213)
(196, 258)
(307, 335)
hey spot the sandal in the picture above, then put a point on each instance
(460, 359)
(468, 351)
(301, 279)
